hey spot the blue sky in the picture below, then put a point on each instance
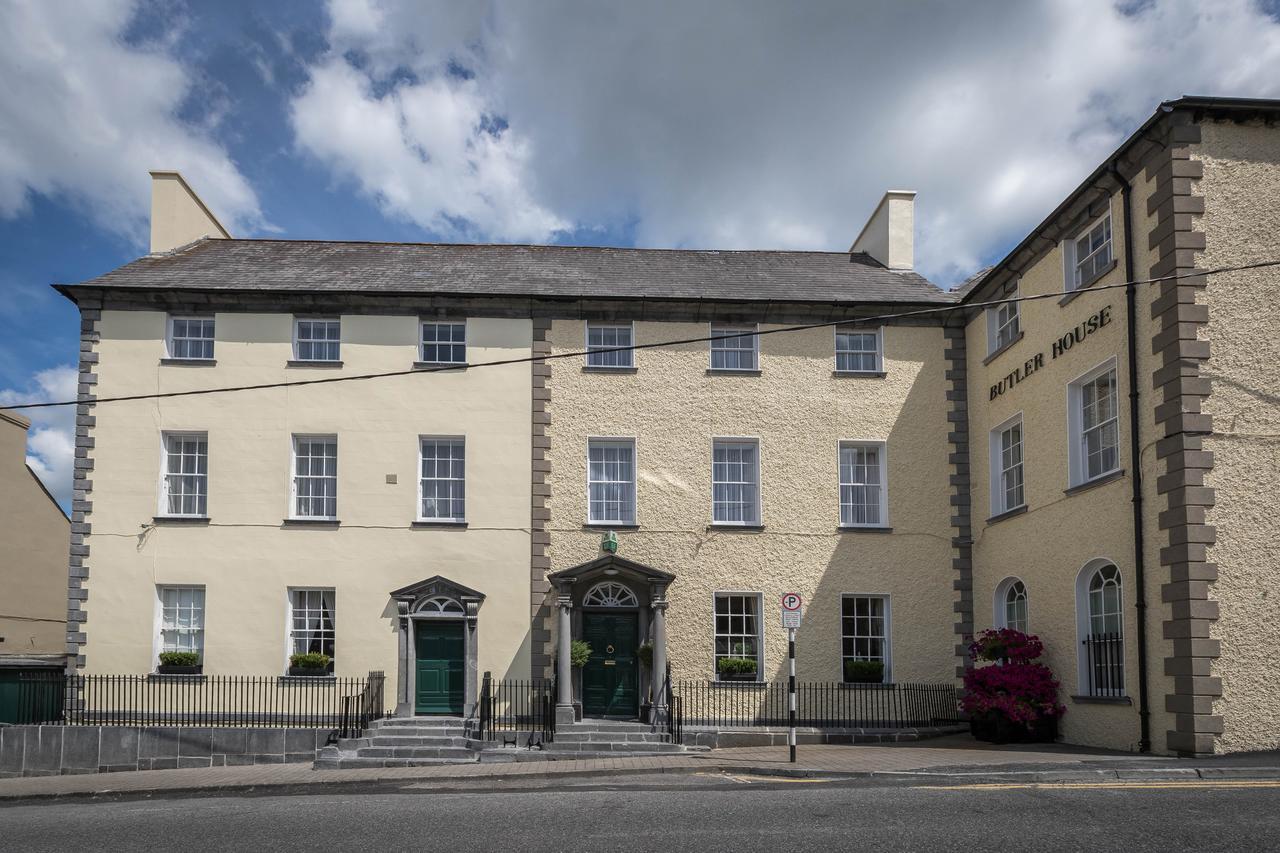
(716, 124)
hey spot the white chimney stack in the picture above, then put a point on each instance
(178, 216)
(889, 235)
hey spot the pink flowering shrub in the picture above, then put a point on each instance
(1014, 688)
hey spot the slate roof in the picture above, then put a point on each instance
(314, 266)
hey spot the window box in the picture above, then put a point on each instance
(309, 672)
(739, 676)
(178, 669)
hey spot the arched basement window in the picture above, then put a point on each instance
(610, 594)
(1014, 605)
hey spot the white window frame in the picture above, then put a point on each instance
(1071, 264)
(758, 597)
(877, 332)
(162, 510)
(995, 462)
(158, 644)
(882, 453)
(297, 340)
(293, 476)
(1084, 628)
(290, 637)
(452, 519)
(887, 639)
(1077, 457)
(996, 327)
(736, 440)
(617, 441)
(169, 336)
(422, 343)
(627, 355)
(731, 336)
(999, 604)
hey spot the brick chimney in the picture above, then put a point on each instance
(178, 216)
(889, 235)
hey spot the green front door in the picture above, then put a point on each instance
(441, 652)
(610, 680)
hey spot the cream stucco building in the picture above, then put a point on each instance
(639, 448)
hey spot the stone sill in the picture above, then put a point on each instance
(998, 351)
(605, 525)
(440, 366)
(1086, 285)
(296, 363)
(311, 522)
(427, 523)
(747, 528)
(1007, 514)
(857, 374)
(1095, 482)
(1102, 700)
(870, 528)
(189, 362)
(713, 371)
(193, 520)
(597, 368)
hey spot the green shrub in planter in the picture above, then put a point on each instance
(645, 652)
(864, 671)
(179, 663)
(736, 669)
(179, 658)
(579, 653)
(309, 663)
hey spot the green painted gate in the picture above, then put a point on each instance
(611, 678)
(441, 654)
(31, 695)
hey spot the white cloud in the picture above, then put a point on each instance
(766, 125)
(87, 115)
(51, 439)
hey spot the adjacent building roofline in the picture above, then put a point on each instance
(1241, 107)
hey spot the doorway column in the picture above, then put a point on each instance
(404, 670)
(564, 665)
(658, 631)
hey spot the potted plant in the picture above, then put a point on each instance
(864, 672)
(1012, 699)
(645, 652)
(579, 654)
(179, 663)
(736, 669)
(311, 664)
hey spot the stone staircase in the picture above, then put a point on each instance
(422, 741)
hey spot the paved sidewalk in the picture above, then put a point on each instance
(958, 755)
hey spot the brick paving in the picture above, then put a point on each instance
(953, 752)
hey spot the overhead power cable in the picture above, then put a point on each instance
(854, 321)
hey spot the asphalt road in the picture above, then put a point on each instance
(697, 814)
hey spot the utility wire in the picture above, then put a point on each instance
(855, 321)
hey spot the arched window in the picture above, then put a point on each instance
(610, 594)
(441, 605)
(1011, 605)
(1100, 604)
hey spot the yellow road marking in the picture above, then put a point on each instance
(1171, 784)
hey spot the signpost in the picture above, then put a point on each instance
(791, 602)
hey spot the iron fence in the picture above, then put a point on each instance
(825, 705)
(1104, 654)
(346, 704)
(517, 708)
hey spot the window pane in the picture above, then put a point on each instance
(182, 619)
(186, 475)
(444, 343)
(443, 480)
(316, 478)
(857, 352)
(860, 485)
(313, 627)
(733, 347)
(863, 630)
(734, 474)
(318, 340)
(737, 628)
(601, 338)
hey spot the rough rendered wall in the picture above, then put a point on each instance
(799, 412)
(1241, 221)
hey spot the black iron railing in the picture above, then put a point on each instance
(346, 704)
(520, 710)
(826, 705)
(1104, 657)
(674, 722)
